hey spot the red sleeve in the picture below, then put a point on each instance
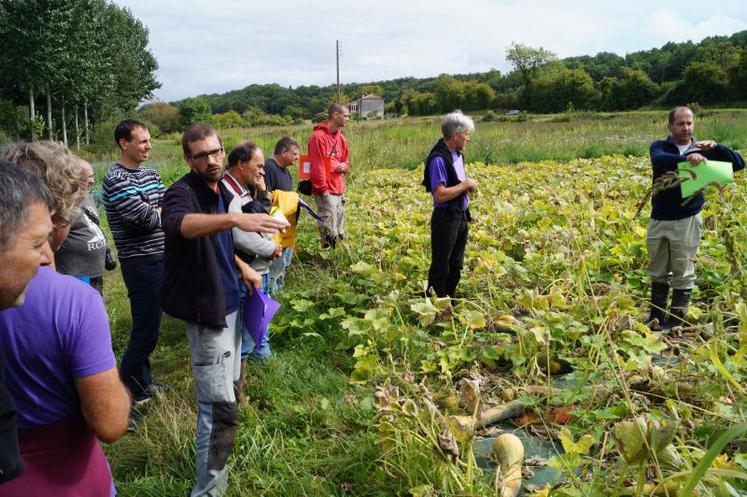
(318, 171)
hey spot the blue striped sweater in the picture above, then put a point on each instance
(131, 197)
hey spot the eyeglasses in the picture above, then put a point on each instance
(212, 153)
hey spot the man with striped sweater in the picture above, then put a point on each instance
(133, 196)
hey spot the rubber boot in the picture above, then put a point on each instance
(329, 241)
(659, 299)
(240, 386)
(678, 309)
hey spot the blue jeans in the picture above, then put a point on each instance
(142, 281)
(215, 367)
(278, 268)
(247, 343)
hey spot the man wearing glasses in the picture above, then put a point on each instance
(200, 287)
(132, 196)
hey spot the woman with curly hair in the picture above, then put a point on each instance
(62, 173)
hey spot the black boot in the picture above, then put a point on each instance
(659, 299)
(678, 309)
(329, 241)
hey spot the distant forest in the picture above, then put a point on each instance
(713, 71)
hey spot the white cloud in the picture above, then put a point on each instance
(672, 26)
(211, 46)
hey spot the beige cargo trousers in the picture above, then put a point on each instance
(672, 247)
(331, 208)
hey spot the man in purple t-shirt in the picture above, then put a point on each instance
(447, 181)
(63, 376)
(25, 226)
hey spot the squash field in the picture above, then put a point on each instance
(376, 390)
(554, 287)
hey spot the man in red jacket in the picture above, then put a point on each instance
(329, 155)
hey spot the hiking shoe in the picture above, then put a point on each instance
(149, 392)
(156, 388)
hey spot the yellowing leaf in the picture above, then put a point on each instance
(581, 447)
(474, 320)
(426, 312)
(629, 436)
(542, 492)
(363, 268)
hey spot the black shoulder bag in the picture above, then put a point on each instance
(110, 260)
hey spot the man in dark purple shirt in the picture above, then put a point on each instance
(446, 180)
(277, 174)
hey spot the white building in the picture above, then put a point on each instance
(368, 107)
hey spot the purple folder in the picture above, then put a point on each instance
(259, 309)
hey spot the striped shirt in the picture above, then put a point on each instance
(131, 197)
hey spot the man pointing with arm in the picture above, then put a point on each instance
(200, 287)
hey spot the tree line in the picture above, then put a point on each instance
(713, 71)
(67, 63)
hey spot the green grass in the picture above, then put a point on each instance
(305, 432)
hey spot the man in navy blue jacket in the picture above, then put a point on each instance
(675, 227)
(199, 286)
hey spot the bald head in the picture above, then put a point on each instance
(335, 108)
(677, 110)
(681, 125)
(339, 115)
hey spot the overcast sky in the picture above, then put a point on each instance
(213, 46)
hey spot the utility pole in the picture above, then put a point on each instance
(337, 53)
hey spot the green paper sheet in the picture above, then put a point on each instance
(704, 174)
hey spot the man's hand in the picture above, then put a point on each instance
(706, 144)
(442, 193)
(276, 253)
(342, 168)
(695, 159)
(249, 276)
(260, 183)
(261, 223)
